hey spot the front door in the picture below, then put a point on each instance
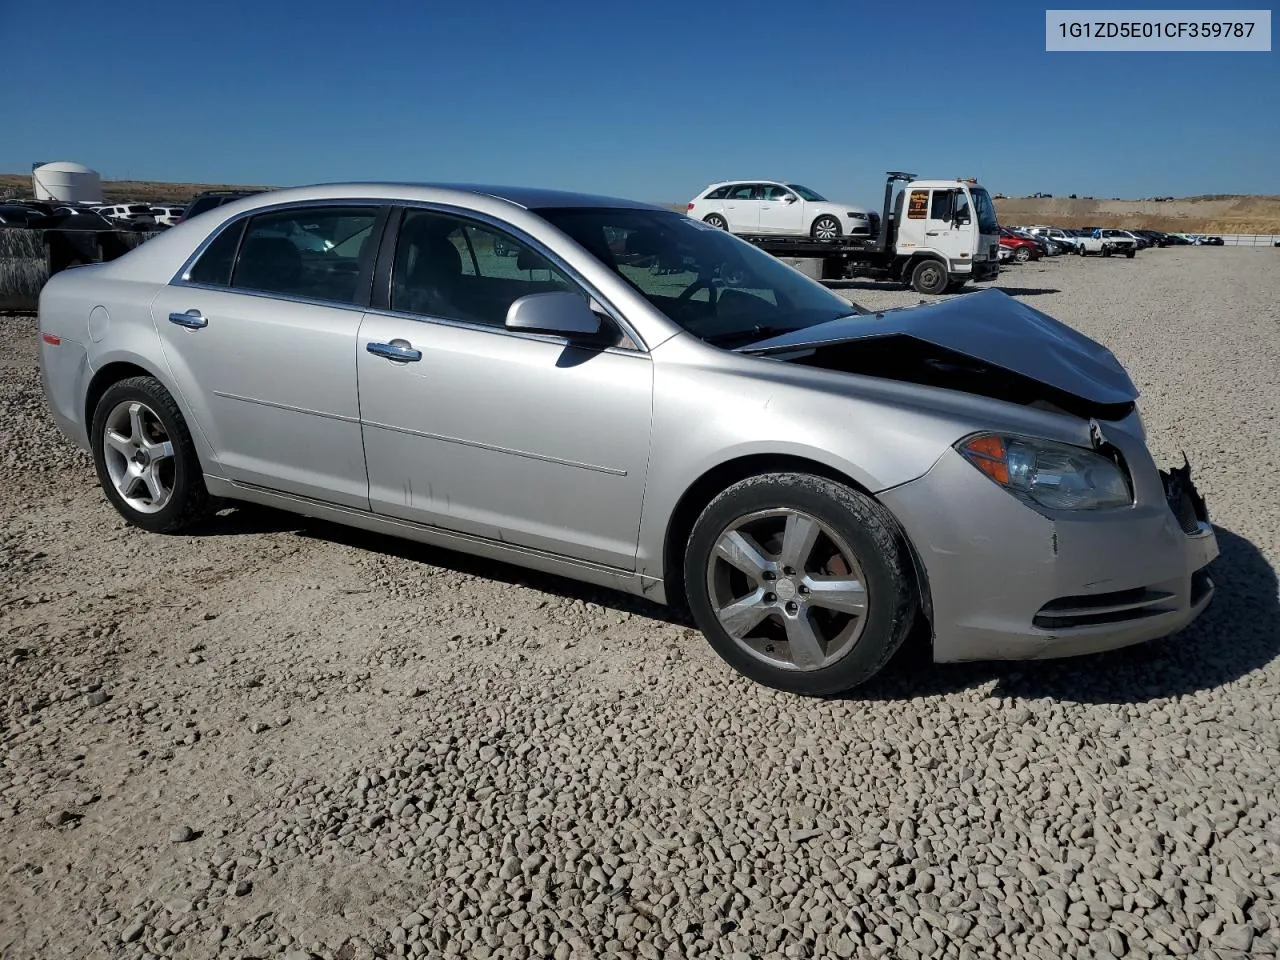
(520, 438)
(261, 341)
(949, 228)
(781, 212)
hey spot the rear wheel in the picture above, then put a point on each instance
(825, 228)
(929, 276)
(145, 458)
(1022, 255)
(715, 220)
(799, 583)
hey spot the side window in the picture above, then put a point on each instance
(462, 270)
(942, 205)
(214, 265)
(775, 192)
(719, 193)
(745, 191)
(917, 204)
(316, 253)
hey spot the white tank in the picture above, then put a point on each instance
(66, 182)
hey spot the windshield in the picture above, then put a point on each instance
(807, 194)
(986, 211)
(716, 286)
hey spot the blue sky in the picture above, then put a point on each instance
(649, 100)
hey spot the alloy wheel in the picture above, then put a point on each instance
(139, 456)
(787, 589)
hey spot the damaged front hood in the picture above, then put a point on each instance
(987, 326)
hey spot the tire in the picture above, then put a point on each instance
(929, 276)
(155, 425)
(856, 542)
(1021, 255)
(715, 220)
(955, 286)
(1106, 251)
(826, 227)
(1131, 254)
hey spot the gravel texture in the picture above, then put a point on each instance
(278, 738)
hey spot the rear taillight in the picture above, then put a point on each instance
(689, 207)
(51, 339)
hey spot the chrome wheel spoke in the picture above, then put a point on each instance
(741, 616)
(154, 487)
(837, 593)
(798, 538)
(742, 552)
(136, 428)
(806, 648)
(159, 451)
(121, 445)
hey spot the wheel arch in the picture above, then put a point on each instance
(122, 367)
(913, 261)
(722, 476)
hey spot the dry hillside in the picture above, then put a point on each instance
(1216, 214)
(1209, 214)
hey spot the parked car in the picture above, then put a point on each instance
(211, 199)
(759, 207)
(1065, 239)
(998, 490)
(1213, 242)
(1022, 248)
(125, 211)
(21, 215)
(167, 216)
(1106, 241)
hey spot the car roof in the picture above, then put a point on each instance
(527, 197)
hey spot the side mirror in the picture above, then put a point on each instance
(555, 312)
(789, 198)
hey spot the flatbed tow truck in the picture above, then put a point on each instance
(947, 236)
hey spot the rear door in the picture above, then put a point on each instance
(742, 207)
(522, 438)
(260, 336)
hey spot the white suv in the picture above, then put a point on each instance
(167, 216)
(757, 207)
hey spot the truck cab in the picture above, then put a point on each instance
(952, 221)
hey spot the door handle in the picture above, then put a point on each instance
(400, 350)
(932, 233)
(192, 319)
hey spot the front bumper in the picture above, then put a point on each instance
(1009, 583)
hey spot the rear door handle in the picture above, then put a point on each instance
(932, 233)
(401, 350)
(193, 319)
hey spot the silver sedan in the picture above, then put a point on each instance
(617, 393)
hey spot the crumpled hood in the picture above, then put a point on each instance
(989, 326)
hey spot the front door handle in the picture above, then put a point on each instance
(193, 319)
(932, 233)
(401, 350)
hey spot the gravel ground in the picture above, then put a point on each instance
(278, 738)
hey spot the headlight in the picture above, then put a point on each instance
(1058, 476)
(857, 216)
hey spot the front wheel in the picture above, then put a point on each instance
(825, 228)
(1022, 255)
(929, 276)
(717, 221)
(800, 583)
(1131, 254)
(145, 458)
